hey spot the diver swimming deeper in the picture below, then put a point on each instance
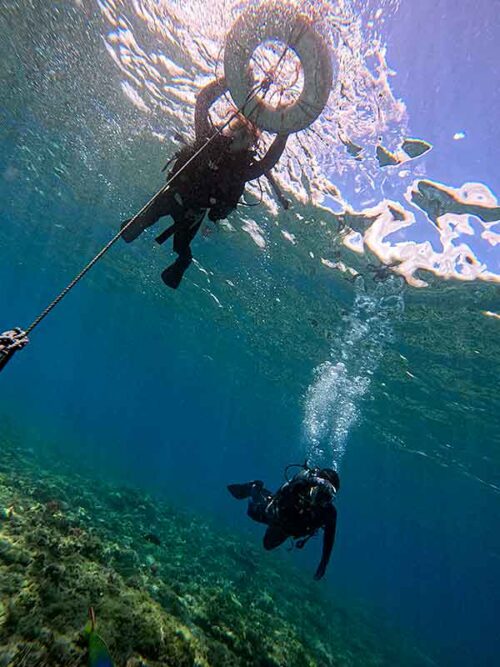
(297, 510)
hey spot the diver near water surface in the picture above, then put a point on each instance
(299, 508)
(210, 175)
(213, 182)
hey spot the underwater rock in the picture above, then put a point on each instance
(10, 553)
(54, 572)
(353, 149)
(6, 513)
(154, 539)
(63, 652)
(7, 655)
(126, 561)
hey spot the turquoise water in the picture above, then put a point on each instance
(272, 350)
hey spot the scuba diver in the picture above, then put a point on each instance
(213, 182)
(298, 509)
(10, 342)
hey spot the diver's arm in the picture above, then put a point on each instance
(270, 159)
(277, 190)
(204, 100)
(329, 526)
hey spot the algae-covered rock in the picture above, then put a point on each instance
(209, 599)
(6, 513)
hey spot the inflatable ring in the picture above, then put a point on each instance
(277, 21)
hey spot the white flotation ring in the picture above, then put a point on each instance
(277, 21)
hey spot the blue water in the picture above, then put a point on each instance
(181, 393)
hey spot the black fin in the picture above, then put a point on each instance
(240, 491)
(131, 233)
(172, 275)
(274, 537)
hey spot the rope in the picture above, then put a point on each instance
(289, 44)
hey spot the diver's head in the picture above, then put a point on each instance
(243, 133)
(331, 476)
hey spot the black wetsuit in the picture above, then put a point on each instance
(298, 509)
(213, 182)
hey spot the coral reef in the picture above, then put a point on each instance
(168, 588)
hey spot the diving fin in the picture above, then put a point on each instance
(172, 275)
(127, 236)
(132, 228)
(240, 491)
(130, 233)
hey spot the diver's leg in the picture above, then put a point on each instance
(259, 502)
(177, 212)
(173, 274)
(273, 537)
(160, 206)
(187, 223)
(165, 235)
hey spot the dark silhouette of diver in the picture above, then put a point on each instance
(213, 182)
(298, 509)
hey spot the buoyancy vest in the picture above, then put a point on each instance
(215, 177)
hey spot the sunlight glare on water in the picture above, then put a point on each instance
(166, 51)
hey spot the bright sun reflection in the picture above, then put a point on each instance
(166, 51)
